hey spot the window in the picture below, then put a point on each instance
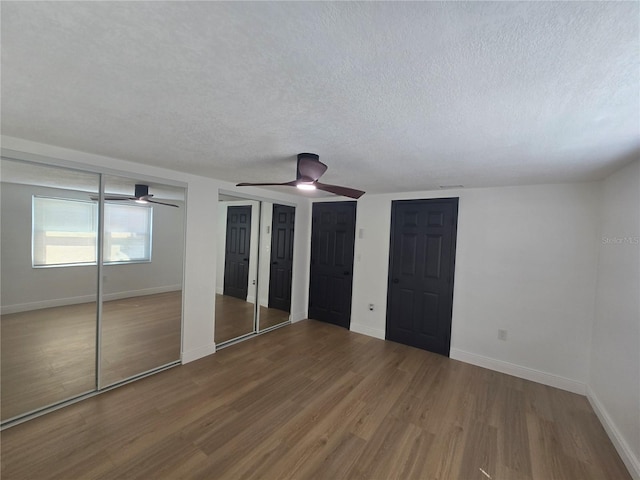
(64, 232)
(127, 233)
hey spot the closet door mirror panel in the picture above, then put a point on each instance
(48, 279)
(237, 267)
(142, 270)
(276, 261)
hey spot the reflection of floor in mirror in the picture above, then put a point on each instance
(234, 318)
(48, 355)
(270, 317)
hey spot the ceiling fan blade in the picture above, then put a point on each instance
(310, 166)
(162, 203)
(338, 190)
(111, 198)
(293, 183)
(114, 199)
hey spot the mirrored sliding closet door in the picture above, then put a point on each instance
(49, 279)
(142, 277)
(255, 255)
(237, 267)
(276, 261)
(91, 284)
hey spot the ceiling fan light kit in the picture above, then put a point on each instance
(309, 169)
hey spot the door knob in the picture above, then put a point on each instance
(347, 273)
(274, 263)
(396, 280)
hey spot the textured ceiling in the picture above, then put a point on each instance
(392, 96)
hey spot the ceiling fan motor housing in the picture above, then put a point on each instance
(306, 156)
(141, 190)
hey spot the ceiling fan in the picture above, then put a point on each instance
(309, 170)
(141, 195)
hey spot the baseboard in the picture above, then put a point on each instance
(141, 292)
(519, 371)
(624, 450)
(61, 302)
(198, 353)
(366, 330)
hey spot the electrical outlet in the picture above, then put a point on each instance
(502, 335)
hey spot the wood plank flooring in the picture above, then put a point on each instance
(315, 401)
(234, 318)
(48, 355)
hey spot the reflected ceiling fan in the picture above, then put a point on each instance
(309, 170)
(141, 195)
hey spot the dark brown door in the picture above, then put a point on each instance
(332, 241)
(237, 247)
(421, 266)
(281, 257)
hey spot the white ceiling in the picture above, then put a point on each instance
(392, 96)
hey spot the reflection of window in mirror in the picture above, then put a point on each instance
(64, 232)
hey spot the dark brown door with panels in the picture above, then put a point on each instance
(421, 268)
(282, 228)
(237, 247)
(332, 242)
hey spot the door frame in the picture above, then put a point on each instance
(454, 201)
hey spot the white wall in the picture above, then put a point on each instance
(614, 383)
(525, 262)
(201, 234)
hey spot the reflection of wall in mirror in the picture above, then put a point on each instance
(253, 246)
(25, 288)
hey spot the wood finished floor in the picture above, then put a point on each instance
(315, 401)
(234, 318)
(49, 355)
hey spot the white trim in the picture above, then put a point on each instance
(297, 316)
(61, 302)
(366, 330)
(198, 353)
(624, 450)
(519, 371)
